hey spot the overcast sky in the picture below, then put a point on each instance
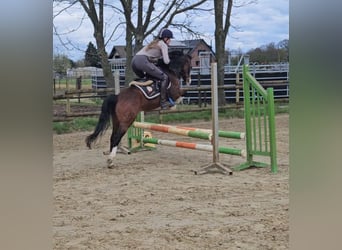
(257, 24)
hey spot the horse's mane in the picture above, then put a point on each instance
(176, 61)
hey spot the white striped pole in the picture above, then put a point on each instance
(196, 146)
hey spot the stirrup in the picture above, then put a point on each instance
(165, 105)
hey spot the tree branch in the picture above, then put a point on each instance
(127, 6)
(148, 14)
(113, 32)
(184, 10)
(228, 14)
(64, 9)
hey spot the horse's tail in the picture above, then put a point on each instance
(108, 106)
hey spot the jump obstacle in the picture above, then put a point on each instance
(188, 131)
(259, 129)
(191, 132)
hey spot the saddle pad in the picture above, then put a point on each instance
(150, 91)
(144, 83)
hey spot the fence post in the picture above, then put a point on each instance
(116, 82)
(271, 120)
(237, 90)
(54, 86)
(79, 86)
(68, 99)
(199, 92)
(247, 108)
(214, 116)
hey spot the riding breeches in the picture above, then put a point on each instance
(142, 66)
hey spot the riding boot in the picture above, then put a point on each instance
(164, 103)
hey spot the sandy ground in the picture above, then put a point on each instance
(153, 200)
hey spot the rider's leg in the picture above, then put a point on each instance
(157, 73)
(164, 103)
(139, 66)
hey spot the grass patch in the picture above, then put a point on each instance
(281, 108)
(62, 83)
(179, 117)
(77, 124)
(89, 123)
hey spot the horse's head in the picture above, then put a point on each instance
(185, 71)
(181, 64)
(179, 67)
(175, 91)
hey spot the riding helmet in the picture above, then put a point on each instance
(165, 33)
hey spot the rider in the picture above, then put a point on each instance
(144, 62)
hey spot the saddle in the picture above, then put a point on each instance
(150, 88)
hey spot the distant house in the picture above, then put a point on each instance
(201, 53)
(198, 49)
(118, 51)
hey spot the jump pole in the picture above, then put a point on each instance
(196, 146)
(188, 131)
(214, 114)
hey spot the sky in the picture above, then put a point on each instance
(252, 26)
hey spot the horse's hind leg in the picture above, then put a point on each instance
(121, 122)
(114, 142)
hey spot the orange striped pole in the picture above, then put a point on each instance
(196, 146)
(188, 131)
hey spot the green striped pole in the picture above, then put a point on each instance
(188, 131)
(196, 146)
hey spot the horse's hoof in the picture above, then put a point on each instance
(106, 152)
(110, 163)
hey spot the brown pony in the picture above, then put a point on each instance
(124, 107)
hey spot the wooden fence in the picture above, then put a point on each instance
(198, 93)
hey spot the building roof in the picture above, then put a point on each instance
(118, 51)
(177, 44)
(188, 46)
(192, 44)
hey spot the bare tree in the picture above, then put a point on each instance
(221, 32)
(223, 10)
(148, 20)
(97, 21)
(94, 9)
(141, 19)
